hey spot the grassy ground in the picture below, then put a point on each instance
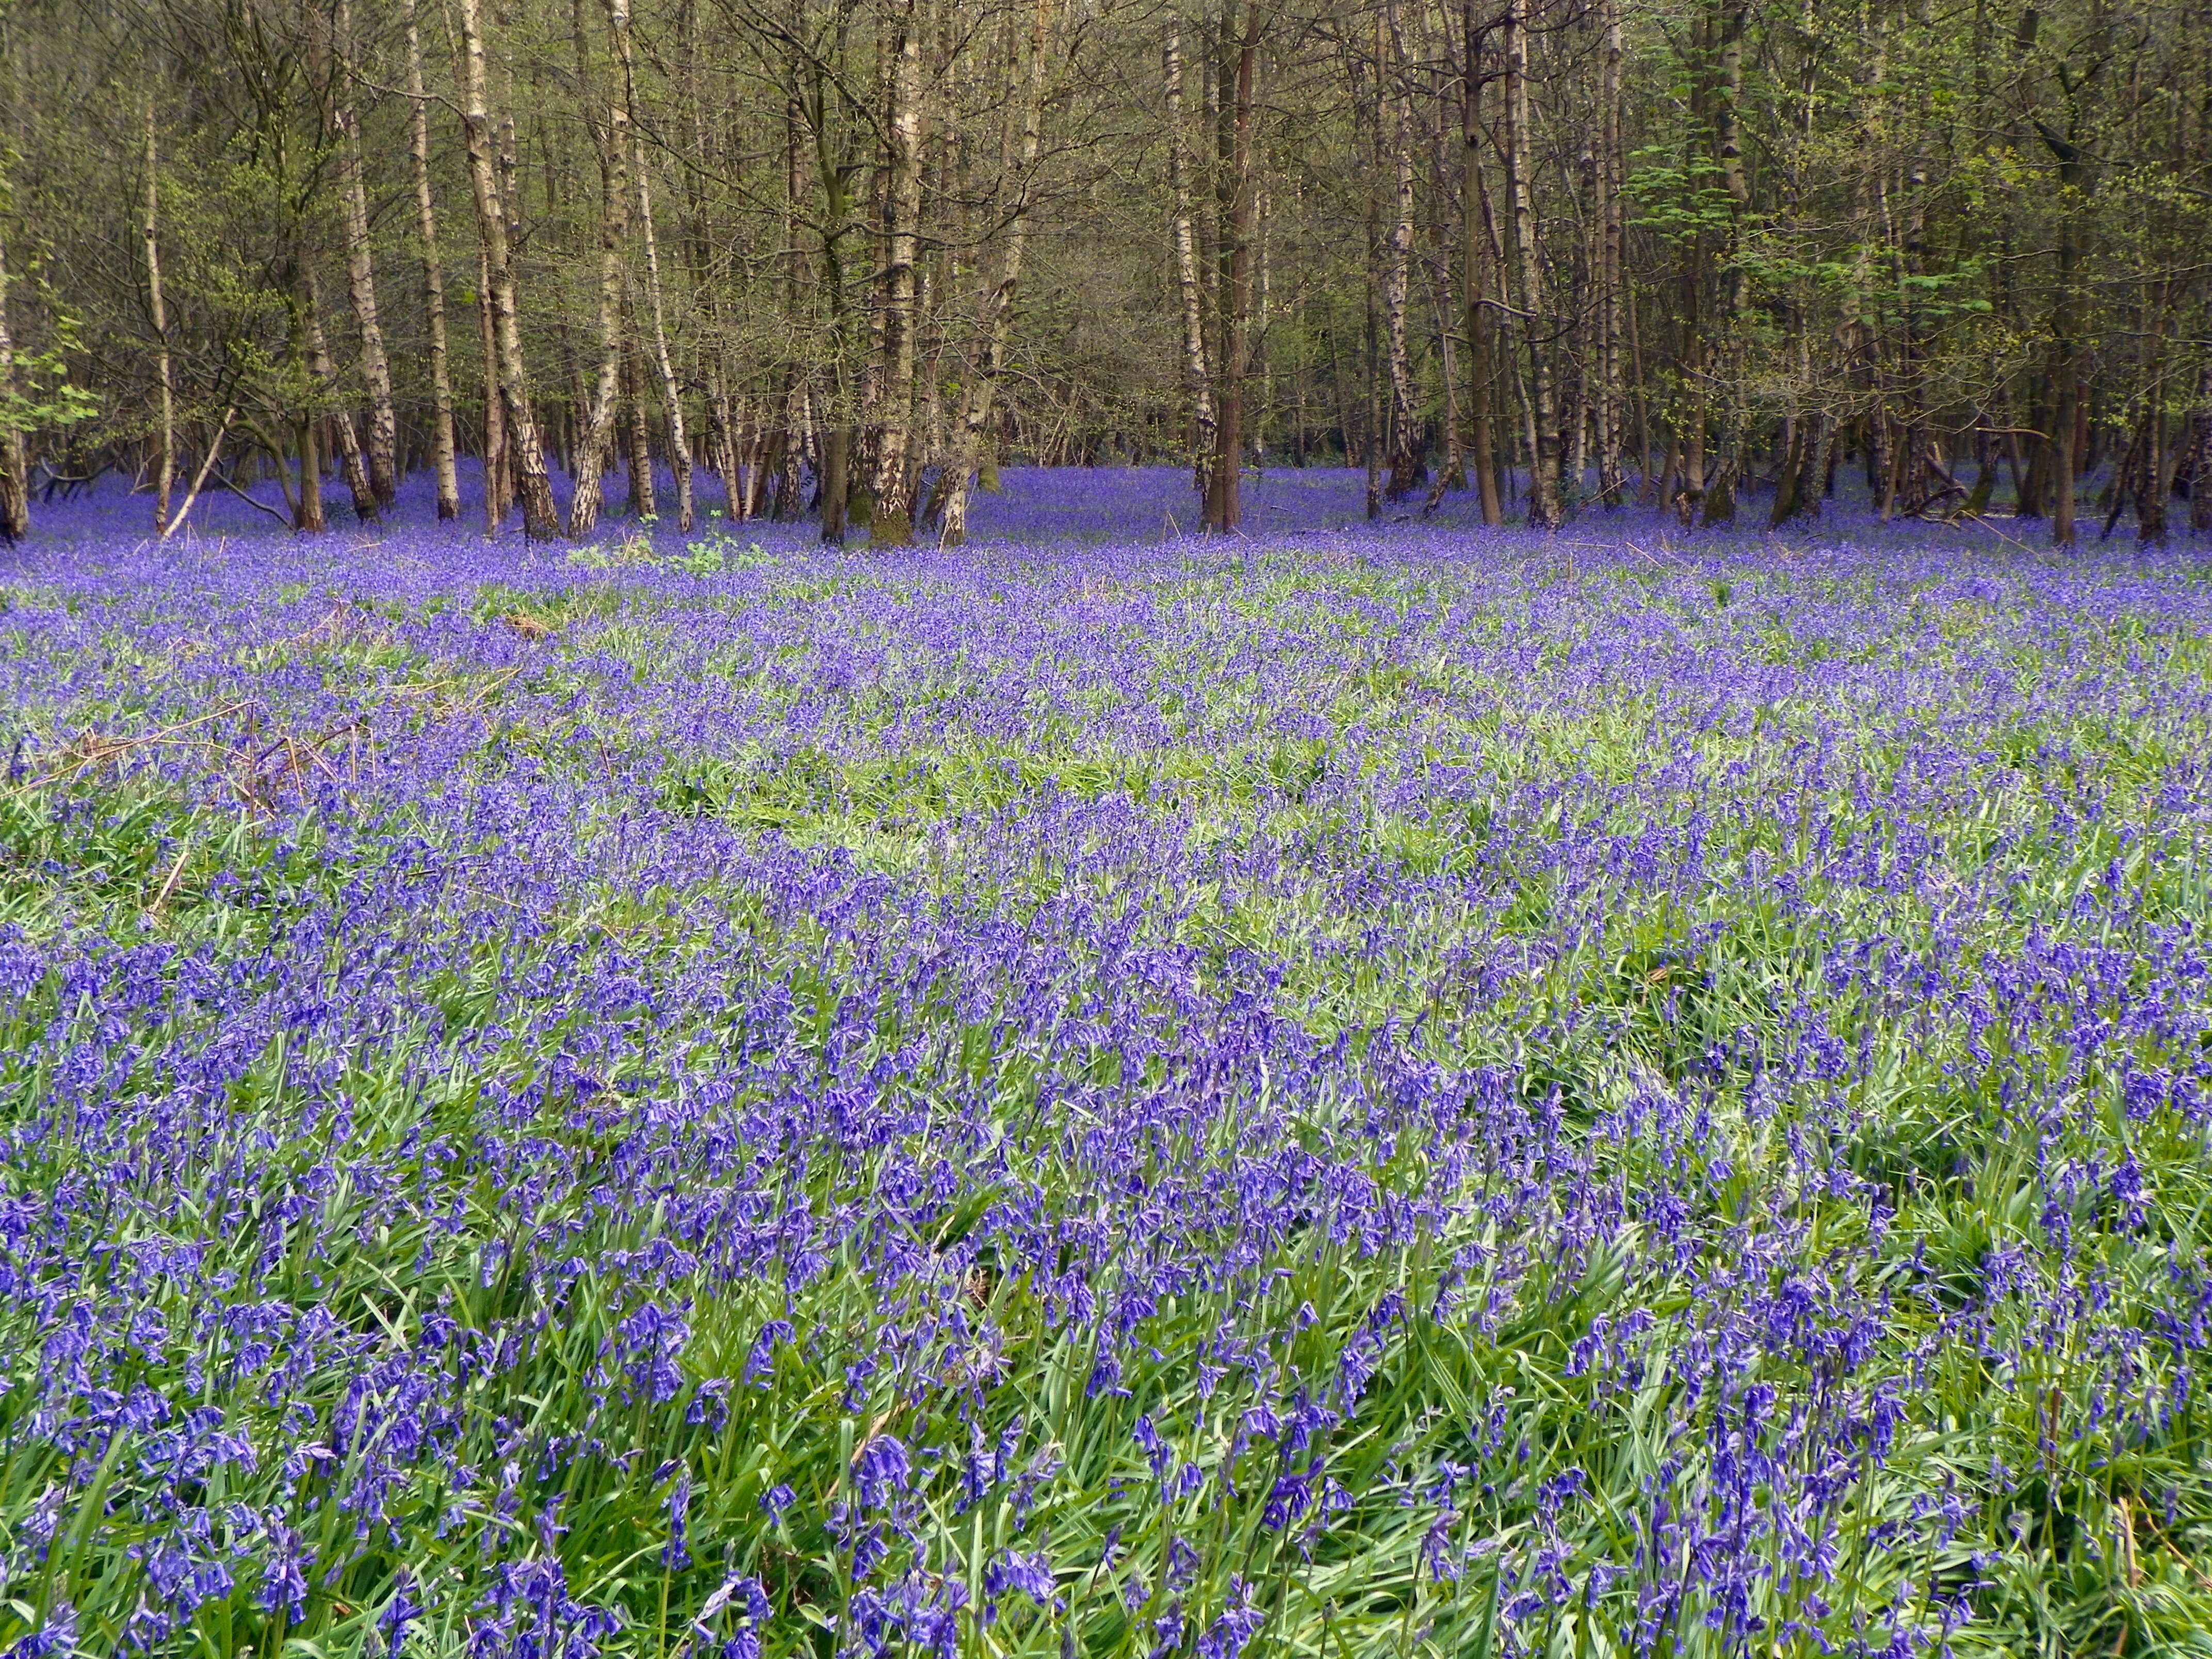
(1349, 1096)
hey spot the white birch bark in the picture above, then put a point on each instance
(1542, 420)
(892, 524)
(606, 393)
(1402, 438)
(434, 280)
(14, 464)
(1198, 374)
(361, 270)
(164, 469)
(671, 396)
(352, 461)
(522, 445)
(994, 327)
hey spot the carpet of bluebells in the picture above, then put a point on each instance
(1344, 1092)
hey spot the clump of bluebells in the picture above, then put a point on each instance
(1422, 1092)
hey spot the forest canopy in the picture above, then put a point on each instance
(839, 258)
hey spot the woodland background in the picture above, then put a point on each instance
(840, 258)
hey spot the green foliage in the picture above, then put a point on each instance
(43, 396)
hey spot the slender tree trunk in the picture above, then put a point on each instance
(498, 475)
(351, 460)
(2063, 452)
(605, 392)
(836, 482)
(891, 524)
(2200, 467)
(15, 462)
(360, 269)
(1372, 445)
(1719, 499)
(2153, 474)
(1544, 511)
(671, 396)
(1481, 354)
(539, 520)
(308, 518)
(308, 515)
(1197, 372)
(1611, 274)
(725, 453)
(833, 450)
(994, 325)
(164, 469)
(434, 281)
(171, 525)
(1407, 463)
(644, 490)
(1797, 490)
(1223, 507)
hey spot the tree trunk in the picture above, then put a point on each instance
(434, 281)
(360, 269)
(498, 476)
(539, 521)
(1544, 511)
(15, 464)
(1197, 372)
(306, 503)
(2154, 477)
(644, 495)
(604, 394)
(164, 469)
(1719, 493)
(2200, 466)
(671, 398)
(891, 520)
(1223, 508)
(1408, 462)
(1372, 445)
(351, 461)
(836, 483)
(1612, 233)
(1481, 354)
(725, 455)
(995, 325)
(307, 516)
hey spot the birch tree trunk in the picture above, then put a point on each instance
(828, 439)
(498, 476)
(351, 460)
(1612, 234)
(995, 325)
(1481, 356)
(1223, 508)
(539, 521)
(644, 496)
(1728, 145)
(14, 466)
(164, 469)
(434, 280)
(306, 503)
(1436, 56)
(1544, 513)
(671, 398)
(1197, 372)
(360, 269)
(1404, 440)
(892, 523)
(605, 392)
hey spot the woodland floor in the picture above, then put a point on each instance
(1345, 1091)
